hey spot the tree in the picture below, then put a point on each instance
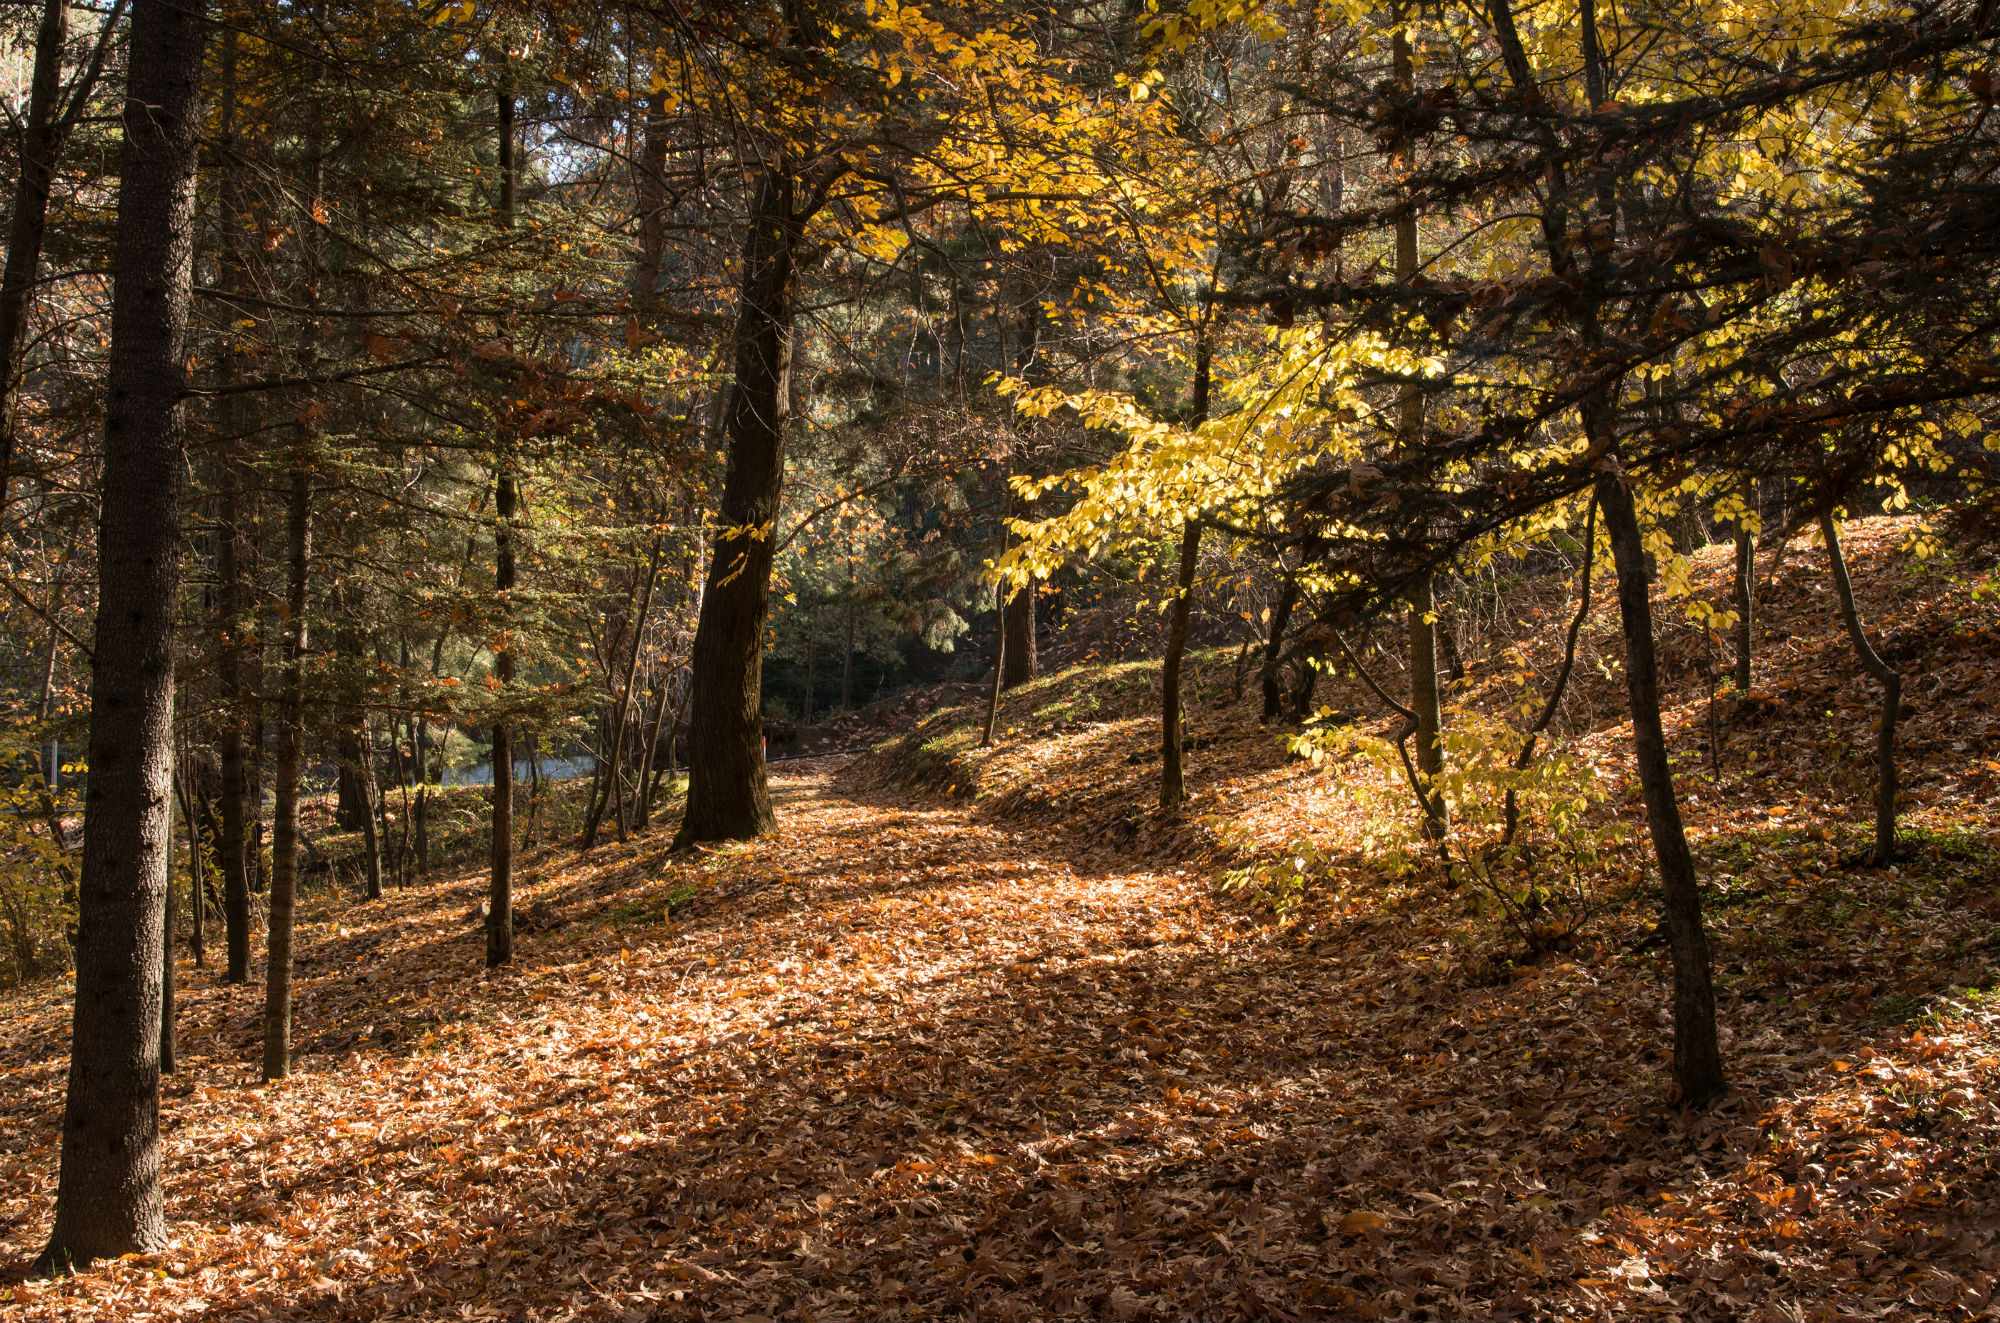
(108, 1194)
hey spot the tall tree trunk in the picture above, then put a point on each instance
(108, 1193)
(1697, 1055)
(1884, 852)
(1173, 787)
(285, 821)
(728, 796)
(230, 555)
(500, 890)
(1421, 634)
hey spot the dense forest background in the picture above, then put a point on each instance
(1451, 504)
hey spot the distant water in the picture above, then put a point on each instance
(554, 769)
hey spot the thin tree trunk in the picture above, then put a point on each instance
(43, 131)
(1274, 646)
(285, 820)
(639, 609)
(1421, 634)
(108, 1192)
(1554, 701)
(371, 840)
(728, 795)
(1173, 787)
(1697, 1055)
(500, 891)
(1884, 852)
(1743, 586)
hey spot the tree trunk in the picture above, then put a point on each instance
(1743, 586)
(1421, 635)
(500, 890)
(230, 554)
(1274, 646)
(1173, 787)
(290, 752)
(168, 1062)
(1019, 621)
(364, 775)
(1884, 852)
(1697, 1056)
(728, 796)
(639, 608)
(108, 1193)
(1425, 703)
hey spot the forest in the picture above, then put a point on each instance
(1000, 660)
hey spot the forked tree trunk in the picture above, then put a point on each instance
(108, 1192)
(290, 759)
(1884, 852)
(1697, 1055)
(728, 796)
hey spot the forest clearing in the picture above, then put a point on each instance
(999, 659)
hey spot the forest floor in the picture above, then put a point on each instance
(1009, 1052)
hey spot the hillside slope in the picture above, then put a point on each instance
(995, 1055)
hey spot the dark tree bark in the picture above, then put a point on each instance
(1697, 1055)
(728, 796)
(1173, 784)
(500, 889)
(108, 1193)
(1019, 622)
(1421, 626)
(285, 819)
(1743, 587)
(1884, 852)
(168, 1061)
(231, 555)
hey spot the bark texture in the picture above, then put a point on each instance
(728, 797)
(108, 1193)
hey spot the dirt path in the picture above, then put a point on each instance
(899, 1062)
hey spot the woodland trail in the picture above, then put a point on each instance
(899, 1060)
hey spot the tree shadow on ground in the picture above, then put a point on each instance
(1093, 1101)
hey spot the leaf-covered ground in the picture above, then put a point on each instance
(923, 1056)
